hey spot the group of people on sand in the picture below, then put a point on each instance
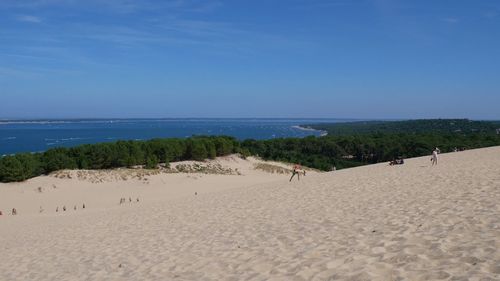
(397, 161)
(297, 169)
(394, 161)
(41, 210)
(64, 208)
(123, 200)
(434, 158)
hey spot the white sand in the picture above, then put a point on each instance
(103, 189)
(379, 222)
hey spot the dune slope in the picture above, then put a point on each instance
(378, 222)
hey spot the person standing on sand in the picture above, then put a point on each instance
(296, 171)
(434, 158)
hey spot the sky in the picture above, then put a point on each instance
(262, 58)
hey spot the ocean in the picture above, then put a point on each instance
(39, 135)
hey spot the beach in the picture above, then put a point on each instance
(231, 221)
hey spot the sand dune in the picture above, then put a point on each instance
(103, 189)
(378, 222)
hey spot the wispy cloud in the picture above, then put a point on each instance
(34, 72)
(28, 18)
(201, 28)
(72, 44)
(212, 35)
(450, 20)
(32, 4)
(491, 14)
(116, 6)
(314, 4)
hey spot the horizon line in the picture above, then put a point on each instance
(236, 118)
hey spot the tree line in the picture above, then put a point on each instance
(149, 154)
(419, 126)
(327, 152)
(324, 153)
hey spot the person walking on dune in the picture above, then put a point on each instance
(434, 158)
(296, 171)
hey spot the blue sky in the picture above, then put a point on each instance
(288, 58)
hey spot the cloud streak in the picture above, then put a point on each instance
(72, 43)
(491, 14)
(28, 18)
(450, 20)
(116, 6)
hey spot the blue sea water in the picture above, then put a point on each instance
(39, 135)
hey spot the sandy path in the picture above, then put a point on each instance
(410, 222)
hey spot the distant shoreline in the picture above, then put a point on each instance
(93, 120)
(41, 135)
(309, 129)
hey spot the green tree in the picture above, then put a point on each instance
(11, 169)
(151, 162)
(197, 150)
